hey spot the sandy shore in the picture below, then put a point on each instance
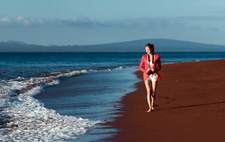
(190, 106)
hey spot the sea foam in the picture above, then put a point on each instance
(27, 118)
(31, 121)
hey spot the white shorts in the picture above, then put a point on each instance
(153, 77)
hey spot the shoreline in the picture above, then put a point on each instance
(190, 106)
(86, 97)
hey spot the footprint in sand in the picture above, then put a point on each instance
(169, 100)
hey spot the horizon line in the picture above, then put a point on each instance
(22, 42)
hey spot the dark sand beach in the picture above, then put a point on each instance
(190, 106)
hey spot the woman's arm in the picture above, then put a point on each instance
(158, 65)
(141, 64)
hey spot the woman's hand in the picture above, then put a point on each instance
(147, 71)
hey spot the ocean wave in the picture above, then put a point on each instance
(31, 121)
(20, 85)
(27, 118)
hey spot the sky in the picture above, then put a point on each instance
(84, 22)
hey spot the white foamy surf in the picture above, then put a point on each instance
(31, 121)
(27, 118)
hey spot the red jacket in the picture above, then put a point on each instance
(157, 64)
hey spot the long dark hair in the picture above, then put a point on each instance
(151, 47)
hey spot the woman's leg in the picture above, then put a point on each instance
(148, 94)
(153, 93)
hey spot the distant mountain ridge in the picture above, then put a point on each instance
(161, 45)
(16, 42)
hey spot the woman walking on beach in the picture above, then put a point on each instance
(152, 65)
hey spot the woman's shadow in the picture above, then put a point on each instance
(189, 106)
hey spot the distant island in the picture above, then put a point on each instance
(162, 45)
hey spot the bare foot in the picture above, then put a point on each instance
(149, 110)
(153, 108)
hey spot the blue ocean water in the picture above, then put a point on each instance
(36, 64)
(65, 96)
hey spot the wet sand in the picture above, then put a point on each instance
(189, 107)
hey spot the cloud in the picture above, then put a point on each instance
(19, 20)
(80, 22)
(85, 23)
(200, 18)
(23, 20)
(4, 19)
